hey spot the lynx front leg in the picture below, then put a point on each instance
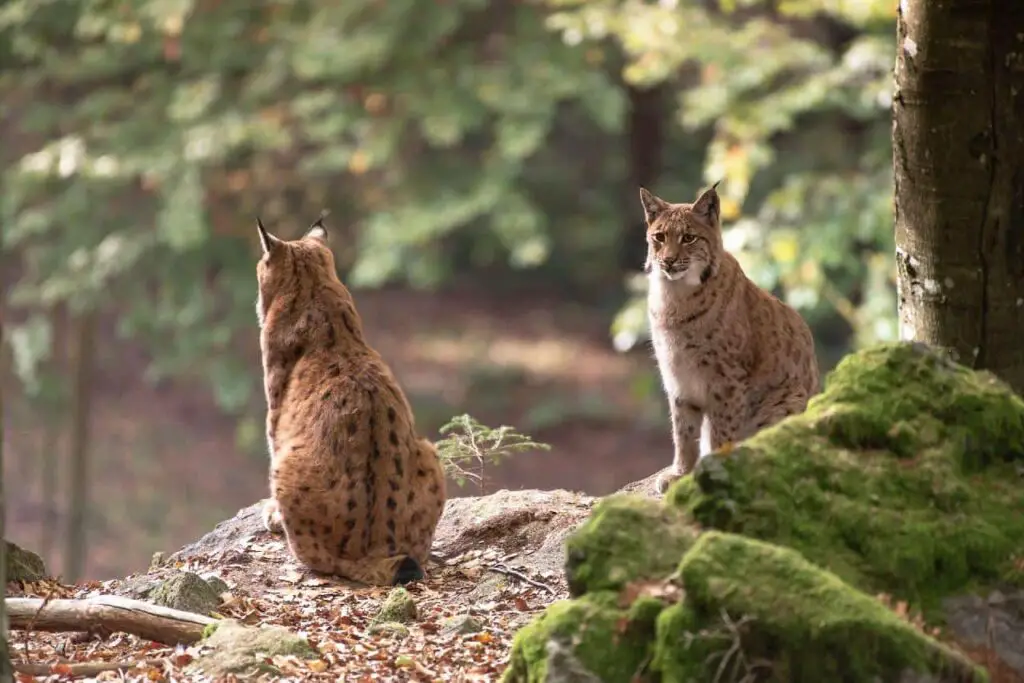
(686, 422)
(729, 416)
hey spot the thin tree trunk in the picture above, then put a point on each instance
(74, 556)
(646, 138)
(958, 155)
(6, 672)
(49, 457)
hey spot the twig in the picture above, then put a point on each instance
(81, 668)
(502, 569)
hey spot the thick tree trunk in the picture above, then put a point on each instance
(958, 154)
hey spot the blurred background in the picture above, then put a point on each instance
(480, 160)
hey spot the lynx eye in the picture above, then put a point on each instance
(658, 237)
(689, 239)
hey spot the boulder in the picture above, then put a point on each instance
(738, 609)
(903, 477)
(246, 652)
(23, 565)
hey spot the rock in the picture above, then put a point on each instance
(626, 538)
(23, 565)
(794, 622)
(398, 607)
(900, 477)
(461, 624)
(232, 648)
(218, 584)
(186, 591)
(390, 628)
(533, 524)
(996, 623)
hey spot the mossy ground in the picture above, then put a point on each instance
(901, 477)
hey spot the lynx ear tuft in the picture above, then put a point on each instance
(267, 241)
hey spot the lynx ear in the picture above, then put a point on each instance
(317, 229)
(708, 206)
(653, 206)
(267, 241)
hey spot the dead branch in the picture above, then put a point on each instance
(113, 613)
(82, 668)
(502, 569)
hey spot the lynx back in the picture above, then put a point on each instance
(354, 489)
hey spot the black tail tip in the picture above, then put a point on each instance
(409, 571)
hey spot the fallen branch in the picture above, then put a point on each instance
(112, 613)
(502, 569)
(82, 668)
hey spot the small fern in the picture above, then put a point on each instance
(468, 446)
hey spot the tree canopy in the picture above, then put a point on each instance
(445, 137)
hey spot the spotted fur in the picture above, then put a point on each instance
(355, 490)
(733, 358)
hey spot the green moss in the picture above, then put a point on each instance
(600, 633)
(743, 605)
(626, 538)
(901, 477)
(767, 604)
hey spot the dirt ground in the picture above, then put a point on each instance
(166, 465)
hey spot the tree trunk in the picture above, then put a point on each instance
(646, 137)
(49, 457)
(78, 506)
(6, 672)
(958, 155)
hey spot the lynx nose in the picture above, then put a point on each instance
(669, 262)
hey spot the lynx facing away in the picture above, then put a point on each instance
(354, 489)
(733, 358)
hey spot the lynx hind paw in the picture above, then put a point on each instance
(408, 571)
(272, 517)
(666, 479)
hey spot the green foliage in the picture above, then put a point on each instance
(447, 135)
(471, 444)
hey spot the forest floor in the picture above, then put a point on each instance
(166, 464)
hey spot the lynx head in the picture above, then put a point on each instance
(684, 241)
(286, 266)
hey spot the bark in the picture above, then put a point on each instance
(108, 613)
(958, 155)
(78, 506)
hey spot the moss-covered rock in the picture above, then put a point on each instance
(605, 638)
(186, 591)
(398, 607)
(232, 648)
(23, 565)
(901, 477)
(626, 538)
(743, 605)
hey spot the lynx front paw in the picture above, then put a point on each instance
(272, 517)
(667, 478)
